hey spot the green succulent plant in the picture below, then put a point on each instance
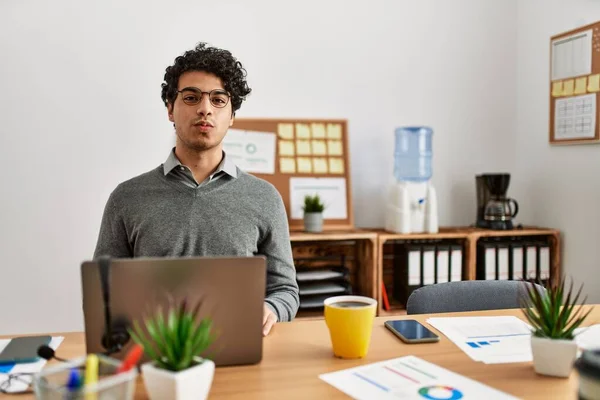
(555, 313)
(174, 343)
(313, 204)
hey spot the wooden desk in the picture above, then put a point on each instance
(296, 353)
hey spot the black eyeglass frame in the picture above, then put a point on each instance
(200, 93)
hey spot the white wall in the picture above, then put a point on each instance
(81, 111)
(558, 185)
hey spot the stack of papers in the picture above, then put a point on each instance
(588, 337)
(8, 369)
(408, 378)
(491, 340)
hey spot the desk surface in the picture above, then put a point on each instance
(296, 353)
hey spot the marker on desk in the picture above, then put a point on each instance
(131, 359)
(91, 374)
(74, 382)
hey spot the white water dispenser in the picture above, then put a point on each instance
(412, 200)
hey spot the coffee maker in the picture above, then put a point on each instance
(494, 209)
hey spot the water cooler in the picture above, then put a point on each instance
(412, 200)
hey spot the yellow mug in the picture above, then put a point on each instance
(350, 323)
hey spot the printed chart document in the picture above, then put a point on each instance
(251, 151)
(572, 55)
(409, 378)
(332, 192)
(575, 117)
(588, 337)
(491, 340)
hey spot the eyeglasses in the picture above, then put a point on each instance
(192, 96)
(17, 383)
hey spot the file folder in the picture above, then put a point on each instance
(414, 266)
(516, 261)
(502, 260)
(544, 262)
(490, 262)
(408, 270)
(428, 265)
(442, 261)
(456, 263)
(531, 263)
(486, 261)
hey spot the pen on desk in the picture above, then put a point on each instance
(91, 375)
(74, 383)
(131, 359)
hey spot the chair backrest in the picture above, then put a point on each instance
(466, 296)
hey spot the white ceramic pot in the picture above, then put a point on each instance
(553, 357)
(190, 384)
(313, 222)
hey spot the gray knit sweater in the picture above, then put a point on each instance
(152, 215)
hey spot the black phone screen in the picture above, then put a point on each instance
(411, 329)
(23, 349)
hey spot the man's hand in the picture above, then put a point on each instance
(269, 319)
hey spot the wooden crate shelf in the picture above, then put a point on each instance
(355, 248)
(366, 253)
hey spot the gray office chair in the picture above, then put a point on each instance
(466, 296)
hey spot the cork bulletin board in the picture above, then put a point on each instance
(574, 86)
(299, 157)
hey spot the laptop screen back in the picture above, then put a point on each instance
(232, 291)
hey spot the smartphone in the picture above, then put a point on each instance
(411, 331)
(23, 349)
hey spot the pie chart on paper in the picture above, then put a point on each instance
(438, 392)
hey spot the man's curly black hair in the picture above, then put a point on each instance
(209, 59)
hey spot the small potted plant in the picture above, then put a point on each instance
(554, 316)
(174, 344)
(313, 213)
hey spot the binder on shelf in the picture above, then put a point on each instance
(502, 260)
(486, 261)
(456, 262)
(442, 261)
(428, 254)
(408, 270)
(414, 266)
(517, 264)
(531, 261)
(544, 262)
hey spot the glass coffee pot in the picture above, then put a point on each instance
(499, 210)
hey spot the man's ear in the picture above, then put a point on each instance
(231, 120)
(170, 112)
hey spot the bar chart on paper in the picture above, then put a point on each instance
(408, 378)
(491, 340)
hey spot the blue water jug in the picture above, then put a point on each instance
(412, 154)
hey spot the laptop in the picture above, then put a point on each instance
(232, 290)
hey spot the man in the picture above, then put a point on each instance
(198, 203)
